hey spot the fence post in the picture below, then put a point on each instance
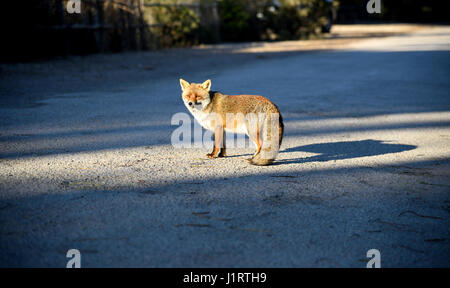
(99, 19)
(143, 39)
(65, 30)
(123, 33)
(131, 25)
(216, 20)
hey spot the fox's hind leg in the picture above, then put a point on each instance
(254, 135)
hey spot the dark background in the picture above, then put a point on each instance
(39, 29)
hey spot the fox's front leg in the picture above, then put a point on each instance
(223, 152)
(218, 143)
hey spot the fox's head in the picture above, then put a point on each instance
(195, 96)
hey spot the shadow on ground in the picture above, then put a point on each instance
(344, 150)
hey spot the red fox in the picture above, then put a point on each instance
(253, 115)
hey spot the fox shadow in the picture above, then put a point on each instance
(344, 150)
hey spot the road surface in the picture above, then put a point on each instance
(86, 160)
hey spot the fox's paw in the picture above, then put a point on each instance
(211, 155)
(222, 154)
(258, 161)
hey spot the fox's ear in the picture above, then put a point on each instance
(206, 85)
(184, 84)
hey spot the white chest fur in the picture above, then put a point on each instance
(202, 118)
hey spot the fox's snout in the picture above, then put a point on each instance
(191, 104)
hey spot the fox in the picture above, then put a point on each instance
(253, 115)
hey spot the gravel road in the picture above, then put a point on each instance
(86, 160)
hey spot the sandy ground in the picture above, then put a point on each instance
(86, 160)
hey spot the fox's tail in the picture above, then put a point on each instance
(271, 140)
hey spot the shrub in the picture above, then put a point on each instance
(234, 21)
(179, 26)
(246, 20)
(297, 19)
